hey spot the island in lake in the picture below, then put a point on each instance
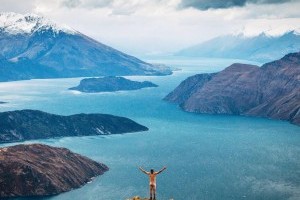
(272, 90)
(41, 170)
(110, 84)
(33, 124)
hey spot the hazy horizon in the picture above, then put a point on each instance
(144, 28)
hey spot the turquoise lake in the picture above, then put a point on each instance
(208, 157)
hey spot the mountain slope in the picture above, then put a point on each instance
(42, 170)
(272, 90)
(260, 48)
(187, 87)
(34, 47)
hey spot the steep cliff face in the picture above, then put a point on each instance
(40, 170)
(272, 90)
(231, 91)
(33, 124)
(279, 86)
(188, 87)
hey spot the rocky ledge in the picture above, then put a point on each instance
(272, 90)
(33, 124)
(41, 170)
(141, 198)
(138, 198)
(110, 84)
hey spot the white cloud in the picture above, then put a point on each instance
(16, 6)
(144, 27)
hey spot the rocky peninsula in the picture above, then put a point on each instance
(22, 125)
(41, 170)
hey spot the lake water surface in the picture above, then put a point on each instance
(207, 156)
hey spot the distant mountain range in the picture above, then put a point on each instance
(272, 90)
(34, 47)
(261, 48)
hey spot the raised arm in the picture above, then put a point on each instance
(161, 170)
(144, 171)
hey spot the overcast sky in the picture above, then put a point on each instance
(145, 27)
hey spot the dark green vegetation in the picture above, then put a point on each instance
(33, 124)
(110, 84)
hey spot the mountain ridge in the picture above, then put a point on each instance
(272, 90)
(262, 48)
(46, 50)
(15, 23)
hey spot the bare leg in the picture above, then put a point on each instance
(154, 193)
(150, 192)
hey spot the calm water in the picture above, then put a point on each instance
(208, 157)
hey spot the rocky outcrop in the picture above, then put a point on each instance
(138, 198)
(110, 84)
(272, 90)
(33, 124)
(41, 170)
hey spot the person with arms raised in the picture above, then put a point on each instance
(152, 178)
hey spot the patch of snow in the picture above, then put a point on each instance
(297, 31)
(14, 23)
(269, 33)
(100, 131)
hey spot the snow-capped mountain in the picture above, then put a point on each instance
(261, 48)
(35, 47)
(14, 23)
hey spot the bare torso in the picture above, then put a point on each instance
(152, 178)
